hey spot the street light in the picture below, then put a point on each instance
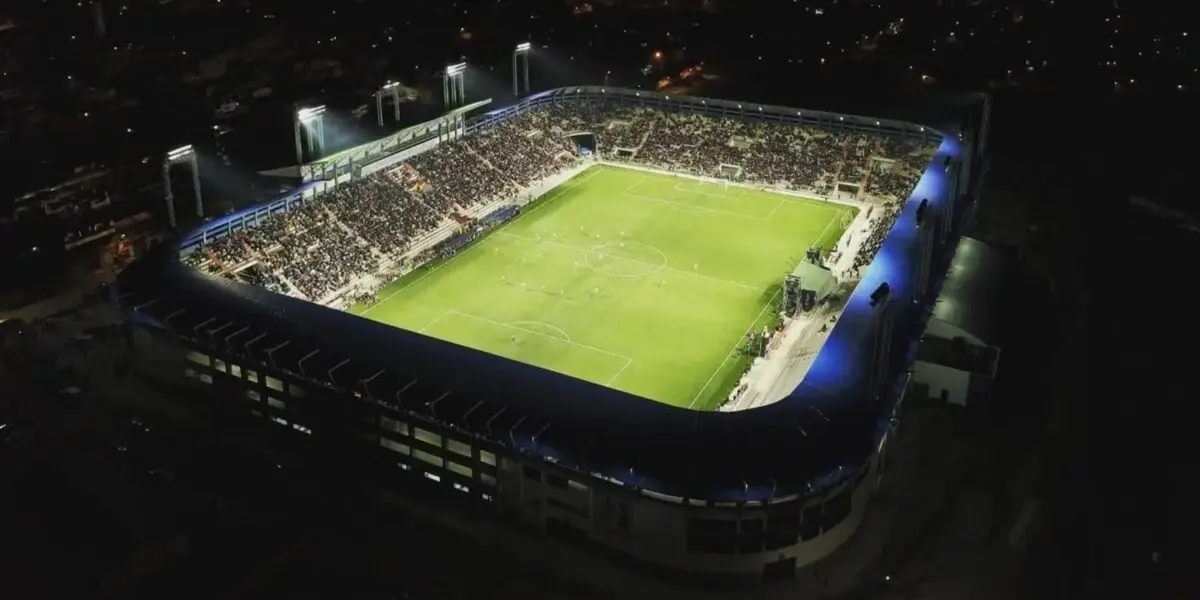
(392, 88)
(522, 51)
(453, 88)
(312, 121)
(181, 155)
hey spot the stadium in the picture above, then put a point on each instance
(677, 328)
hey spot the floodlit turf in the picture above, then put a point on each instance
(645, 283)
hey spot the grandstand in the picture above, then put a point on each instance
(582, 252)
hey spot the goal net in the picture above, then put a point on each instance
(729, 171)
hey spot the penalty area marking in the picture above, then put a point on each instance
(740, 191)
(516, 325)
(566, 338)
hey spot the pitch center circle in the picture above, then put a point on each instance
(626, 259)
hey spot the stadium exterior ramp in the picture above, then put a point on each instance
(727, 496)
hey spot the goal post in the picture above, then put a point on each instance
(728, 171)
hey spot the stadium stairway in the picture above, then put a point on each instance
(376, 251)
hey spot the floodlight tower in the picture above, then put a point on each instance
(453, 88)
(391, 88)
(522, 51)
(181, 155)
(312, 122)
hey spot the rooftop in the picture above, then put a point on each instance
(974, 296)
(959, 355)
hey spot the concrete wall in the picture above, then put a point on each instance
(956, 384)
(646, 528)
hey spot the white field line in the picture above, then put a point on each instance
(632, 260)
(705, 209)
(565, 337)
(837, 218)
(636, 182)
(548, 336)
(776, 209)
(433, 322)
(770, 303)
(679, 188)
(613, 379)
(563, 188)
(690, 207)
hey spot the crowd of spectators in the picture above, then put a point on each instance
(881, 223)
(360, 227)
(382, 212)
(323, 257)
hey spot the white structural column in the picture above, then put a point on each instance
(453, 88)
(391, 88)
(520, 58)
(312, 122)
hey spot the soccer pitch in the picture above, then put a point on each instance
(641, 282)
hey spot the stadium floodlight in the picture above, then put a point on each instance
(180, 152)
(181, 155)
(306, 115)
(391, 88)
(311, 122)
(454, 90)
(521, 52)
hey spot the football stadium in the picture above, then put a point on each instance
(591, 282)
(678, 328)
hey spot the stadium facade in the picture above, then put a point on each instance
(728, 496)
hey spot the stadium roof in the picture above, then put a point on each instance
(362, 148)
(815, 278)
(975, 293)
(818, 435)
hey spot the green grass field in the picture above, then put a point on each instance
(640, 282)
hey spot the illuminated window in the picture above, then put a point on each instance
(253, 395)
(393, 425)
(429, 458)
(251, 376)
(454, 467)
(394, 446)
(219, 365)
(235, 370)
(274, 384)
(199, 358)
(487, 458)
(428, 437)
(458, 447)
(197, 376)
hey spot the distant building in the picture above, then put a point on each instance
(960, 350)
